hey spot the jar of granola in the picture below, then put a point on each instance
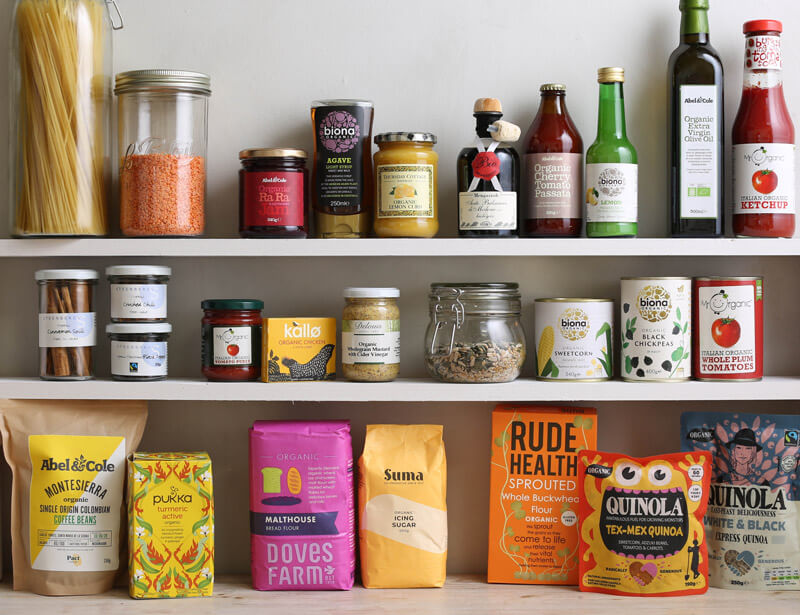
(371, 334)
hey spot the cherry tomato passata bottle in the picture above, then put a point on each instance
(763, 140)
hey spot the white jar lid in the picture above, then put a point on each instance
(138, 327)
(66, 274)
(138, 270)
(370, 293)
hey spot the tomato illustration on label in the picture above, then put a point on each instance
(765, 181)
(233, 349)
(726, 331)
(486, 165)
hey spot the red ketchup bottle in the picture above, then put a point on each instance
(763, 140)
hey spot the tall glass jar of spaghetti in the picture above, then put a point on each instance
(763, 140)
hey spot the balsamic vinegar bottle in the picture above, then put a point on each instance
(696, 162)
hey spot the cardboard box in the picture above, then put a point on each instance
(298, 349)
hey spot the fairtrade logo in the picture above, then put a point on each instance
(654, 303)
(574, 324)
(791, 437)
(611, 182)
(339, 132)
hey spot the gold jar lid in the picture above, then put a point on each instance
(272, 152)
(611, 74)
(552, 87)
(405, 137)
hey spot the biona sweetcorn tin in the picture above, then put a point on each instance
(656, 329)
(728, 328)
(574, 339)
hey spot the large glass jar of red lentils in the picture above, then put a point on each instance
(232, 339)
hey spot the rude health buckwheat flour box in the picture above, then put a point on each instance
(533, 510)
(171, 525)
(298, 349)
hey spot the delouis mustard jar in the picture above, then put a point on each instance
(406, 174)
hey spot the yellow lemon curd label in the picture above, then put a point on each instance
(76, 494)
(171, 525)
(405, 191)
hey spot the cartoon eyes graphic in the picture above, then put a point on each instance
(628, 474)
(660, 475)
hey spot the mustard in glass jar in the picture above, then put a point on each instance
(406, 174)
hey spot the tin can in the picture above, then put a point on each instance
(656, 330)
(728, 328)
(574, 339)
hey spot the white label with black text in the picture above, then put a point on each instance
(699, 163)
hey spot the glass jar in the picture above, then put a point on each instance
(371, 334)
(163, 130)
(232, 339)
(138, 293)
(406, 178)
(67, 323)
(139, 350)
(273, 193)
(475, 334)
(60, 117)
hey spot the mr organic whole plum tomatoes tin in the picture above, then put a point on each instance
(728, 328)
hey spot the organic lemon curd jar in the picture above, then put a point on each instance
(406, 174)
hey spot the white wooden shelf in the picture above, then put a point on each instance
(402, 390)
(461, 595)
(203, 247)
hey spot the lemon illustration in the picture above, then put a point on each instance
(545, 350)
(591, 196)
(404, 191)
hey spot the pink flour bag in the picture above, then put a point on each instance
(302, 516)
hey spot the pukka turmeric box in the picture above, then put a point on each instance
(171, 525)
(297, 349)
(534, 493)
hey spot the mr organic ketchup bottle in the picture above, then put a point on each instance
(763, 140)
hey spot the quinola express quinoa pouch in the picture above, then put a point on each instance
(753, 516)
(302, 514)
(402, 489)
(68, 462)
(641, 523)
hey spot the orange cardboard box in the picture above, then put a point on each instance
(534, 492)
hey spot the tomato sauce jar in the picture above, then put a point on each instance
(232, 339)
(728, 328)
(273, 194)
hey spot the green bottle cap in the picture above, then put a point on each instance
(693, 4)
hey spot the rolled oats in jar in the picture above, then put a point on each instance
(371, 334)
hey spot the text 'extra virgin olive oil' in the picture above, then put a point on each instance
(696, 166)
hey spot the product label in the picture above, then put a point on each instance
(232, 345)
(299, 349)
(656, 329)
(138, 358)
(574, 341)
(274, 198)
(400, 519)
(763, 52)
(763, 178)
(76, 494)
(67, 330)
(138, 301)
(612, 193)
(370, 342)
(405, 190)
(341, 136)
(486, 166)
(554, 185)
(727, 329)
(699, 163)
(487, 210)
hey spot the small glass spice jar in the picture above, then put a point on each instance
(475, 334)
(232, 339)
(67, 323)
(273, 193)
(371, 334)
(406, 177)
(139, 350)
(138, 293)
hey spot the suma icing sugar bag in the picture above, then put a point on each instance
(641, 523)
(302, 514)
(402, 489)
(753, 516)
(68, 462)
(533, 501)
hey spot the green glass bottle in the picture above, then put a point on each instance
(611, 165)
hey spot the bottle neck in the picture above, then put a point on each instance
(611, 112)
(553, 103)
(484, 119)
(694, 26)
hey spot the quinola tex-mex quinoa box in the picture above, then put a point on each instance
(533, 510)
(171, 525)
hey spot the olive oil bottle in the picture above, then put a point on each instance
(696, 163)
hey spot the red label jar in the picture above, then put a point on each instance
(728, 325)
(273, 199)
(232, 339)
